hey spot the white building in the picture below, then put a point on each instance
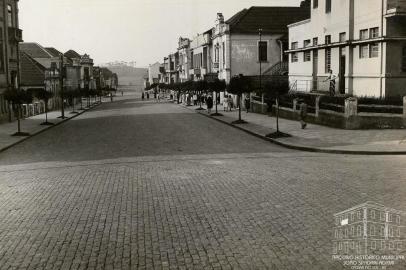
(184, 56)
(154, 74)
(201, 50)
(362, 41)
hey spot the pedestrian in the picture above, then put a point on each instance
(247, 103)
(230, 103)
(195, 99)
(147, 95)
(142, 96)
(332, 79)
(209, 103)
(158, 98)
(225, 103)
(303, 113)
(122, 93)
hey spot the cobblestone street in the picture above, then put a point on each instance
(140, 185)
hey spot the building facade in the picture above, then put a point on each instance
(10, 36)
(369, 228)
(365, 48)
(184, 58)
(154, 73)
(253, 40)
(201, 52)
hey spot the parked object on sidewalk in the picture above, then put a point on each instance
(247, 103)
(209, 103)
(303, 113)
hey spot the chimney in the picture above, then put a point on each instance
(220, 17)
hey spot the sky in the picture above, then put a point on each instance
(124, 30)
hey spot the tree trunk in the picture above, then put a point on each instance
(277, 115)
(46, 111)
(18, 118)
(239, 107)
(216, 102)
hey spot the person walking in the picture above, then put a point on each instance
(230, 103)
(247, 103)
(225, 103)
(195, 99)
(332, 79)
(147, 95)
(142, 96)
(303, 113)
(209, 103)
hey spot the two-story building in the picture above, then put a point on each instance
(363, 43)
(10, 36)
(201, 55)
(253, 40)
(184, 57)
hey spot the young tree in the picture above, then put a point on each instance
(18, 97)
(217, 86)
(72, 94)
(274, 89)
(44, 95)
(237, 86)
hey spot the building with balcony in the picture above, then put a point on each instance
(173, 62)
(364, 47)
(201, 51)
(10, 36)
(184, 56)
(369, 228)
(238, 47)
(85, 65)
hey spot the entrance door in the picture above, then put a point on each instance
(341, 74)
(315, 69)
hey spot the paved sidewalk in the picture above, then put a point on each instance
(32, 125)
(319, 138)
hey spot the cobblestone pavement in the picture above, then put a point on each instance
(134, 185)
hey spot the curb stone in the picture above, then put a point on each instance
(47, 128)
(305, 148)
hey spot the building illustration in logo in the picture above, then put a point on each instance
(369, 228)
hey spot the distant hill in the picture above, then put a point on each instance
(129, 75)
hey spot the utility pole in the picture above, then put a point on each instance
(61, 71)
(260, 58)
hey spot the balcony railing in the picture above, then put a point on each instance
(15, 34)
(396, 7)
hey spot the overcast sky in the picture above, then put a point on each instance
(125, 30)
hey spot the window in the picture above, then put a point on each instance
(373, 214)
(382, 216)
(382, 231)
(315, 41)
(359, 231)
(363, 34)
(373, 245)
(327, 39)
(352, 231)
(328, 60)
(404, 59)
(359, 215)
(374, 32)
(10, 15)
(306, 43)
(328, 6)
(315, 3)
(398, 219)
(363, 51)
(294, 46)
(374, 50)
(295, 57)
(343, 37)
(1, 56)
(263, 51)
(372, 230)
(399, 245)
(306, 56)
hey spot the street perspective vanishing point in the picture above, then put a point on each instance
(231, 134)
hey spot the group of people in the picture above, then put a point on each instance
(158, 96)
